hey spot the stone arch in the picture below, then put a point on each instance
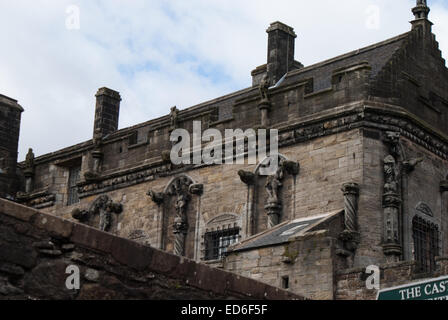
(174, 179)
(180, 218)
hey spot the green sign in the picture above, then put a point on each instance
(433, 289)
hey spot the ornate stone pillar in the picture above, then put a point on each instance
(350, 237)
(391, 209)
(351, 194)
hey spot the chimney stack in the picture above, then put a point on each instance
(281, 41)
(107, 111)
(10, 115)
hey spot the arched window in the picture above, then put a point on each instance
(426, 243)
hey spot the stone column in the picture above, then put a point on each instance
(273, 210)
(180, 233)
(350, 237)
(158, 198)
(391, 210)
(351, 194)
(264, 107)
(198, 190)
(249, 179)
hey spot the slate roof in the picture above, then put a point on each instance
(280, 234)
(376, 55)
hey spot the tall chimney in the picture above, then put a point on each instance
(281, 41)
(107, 111)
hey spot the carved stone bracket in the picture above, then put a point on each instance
(103, 206)
(197, 189)
(156, 197)
(247, 177)
(291, 167)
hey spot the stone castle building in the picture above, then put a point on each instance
(362, 176)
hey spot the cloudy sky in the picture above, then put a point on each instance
(158, 54)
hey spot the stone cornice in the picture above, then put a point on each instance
(361, 114)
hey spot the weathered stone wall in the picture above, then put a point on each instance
(36, 249)
(10, 114)
(351, 284)
(326, 163)
(307, 262)
(422, 185)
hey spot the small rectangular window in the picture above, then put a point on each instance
(74, 177)
(133, 138)
(216, 243)
(285, 282)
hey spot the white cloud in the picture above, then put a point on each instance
(159, 53)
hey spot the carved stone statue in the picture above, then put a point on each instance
(391, 175)
(103, 206)
(180, 191)
(264, 88)
(274, 182)
(174, 115)
(29, 159)
(29, 171)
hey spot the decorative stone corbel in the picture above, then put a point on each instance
(196, 189)
(409, 165)
(247, 177)
(156, 197)
(291, 167)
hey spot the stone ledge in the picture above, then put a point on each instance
(144, 258)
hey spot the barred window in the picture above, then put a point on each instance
(217, 242)
(74, 177)
(426, 243)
